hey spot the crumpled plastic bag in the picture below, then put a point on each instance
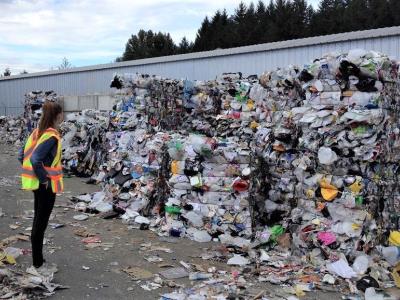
(327, 238)
(342, 269)
(326, 156)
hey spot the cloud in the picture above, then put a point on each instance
(37, 34)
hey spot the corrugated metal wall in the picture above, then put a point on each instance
(97, 81)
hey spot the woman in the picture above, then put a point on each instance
(42, 173)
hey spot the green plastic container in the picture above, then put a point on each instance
(173, 209)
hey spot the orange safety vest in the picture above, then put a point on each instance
(29, 178)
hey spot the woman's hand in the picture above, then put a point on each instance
(46, 184)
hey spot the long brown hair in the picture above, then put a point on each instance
(51, 110)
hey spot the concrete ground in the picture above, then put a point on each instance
(104, 279)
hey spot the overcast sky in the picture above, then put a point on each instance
(36, 34)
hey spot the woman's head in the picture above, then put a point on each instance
(52, 114)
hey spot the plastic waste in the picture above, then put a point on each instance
(326, 156)
(14, 252)
(390, 254)
(264, 236)
(201, 236)
(103, 206)
(394, 238)
(238, 260)
(366, 282)
(194, 219)
(327, 238)
(329, 279)
(80, 217)
(264, 255)
(172, 209)
(328, 191)
(341, 268)
(276, 231)
(371, 294)
(173, 296)
(396, 274)
(361, 264)
(348, 228)
(199, 276)
(174, 273)
(142, 220)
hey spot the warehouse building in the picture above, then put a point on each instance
(88, 87)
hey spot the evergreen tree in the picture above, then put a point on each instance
(260, 10)
(250, 25)
(261, 22)
(380, 13)
(281, 26)
(310, 15)
(239, 19)
(148, 44)
(131, 49)
(394, 6)
(184, 46)
(299, 20)
(226, 33)
(163, 45)
(200, 43)
(214, 34)
(329, 18)
(268, 23)
(356, 16)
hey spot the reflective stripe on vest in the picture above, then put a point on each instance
(57, 186)
(29, 152)
(29, 178)
(51, 171)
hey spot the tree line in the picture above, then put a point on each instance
(263, 22)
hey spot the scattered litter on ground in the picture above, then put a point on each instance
(174, 273)
(80, 217)
(92, 240)
(137, 273)
(56, 225)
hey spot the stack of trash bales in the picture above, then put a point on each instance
(135, 149)
(132, 170)
(326, 139)
(317, 132)
(84, 142)
(220, 107)
(209, 187)
(213, 190)
(12, 130)
(131, 148)
(155, 101)
(328, 146)
(33, 106)
(325, 181)
(16, 129)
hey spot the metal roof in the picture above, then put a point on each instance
(354, 35)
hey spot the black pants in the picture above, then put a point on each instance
(43, 205)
